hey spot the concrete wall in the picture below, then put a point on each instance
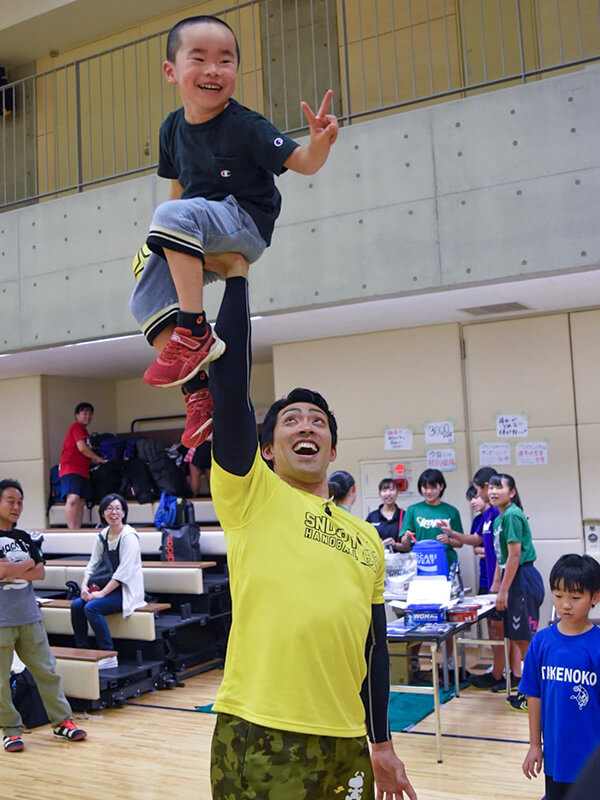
(488, 188)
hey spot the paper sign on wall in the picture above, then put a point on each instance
(444, 460)
(398, 439)
(439, 433)
(492, 454)
(511, 425)
(532, 454)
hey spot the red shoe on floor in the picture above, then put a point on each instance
(69, 730)
(198, 423)
(183, 357)
(13, 744)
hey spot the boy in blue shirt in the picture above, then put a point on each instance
(220, 158)
(561, 678)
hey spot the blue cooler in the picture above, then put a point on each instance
(431, 558)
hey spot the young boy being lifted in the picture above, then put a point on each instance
(221, 158)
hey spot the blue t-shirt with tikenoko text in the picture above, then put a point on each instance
(235, 153)
(18, 605)
(564, 671)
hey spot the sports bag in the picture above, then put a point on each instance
(166, 513)
(27, 699)
(181, 544)
(167, 475)
(104, 479)
(137, 482)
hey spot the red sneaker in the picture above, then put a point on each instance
(183, 357)
(69, 730)
(13, 744)
(198, 423)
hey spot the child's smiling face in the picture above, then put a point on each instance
(205, 69)
(431, 492)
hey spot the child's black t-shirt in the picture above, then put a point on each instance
(236, 153)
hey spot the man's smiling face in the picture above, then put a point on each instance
(301, 450)
(205, 69)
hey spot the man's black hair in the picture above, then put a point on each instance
(576, 573)
(83, 407)
(10, 483)
(483, 475)
(174, 37)
(297, 395)
(432, 477)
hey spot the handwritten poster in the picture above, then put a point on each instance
(508, 425)
(439, 433)
(398, 439)
(444, 460)
(532, 454)
(493, 454)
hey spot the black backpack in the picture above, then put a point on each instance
(167, 475)
(104, 479)
(137, 482)
(27, 699)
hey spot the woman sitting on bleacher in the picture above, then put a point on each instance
(113, 580)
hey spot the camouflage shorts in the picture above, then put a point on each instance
(249, 762)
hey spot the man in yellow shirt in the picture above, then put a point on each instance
(307, 664)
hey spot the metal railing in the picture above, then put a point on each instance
(96, 119)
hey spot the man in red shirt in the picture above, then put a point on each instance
(74, 468)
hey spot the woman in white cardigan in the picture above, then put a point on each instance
(113, 581)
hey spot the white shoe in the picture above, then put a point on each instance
(112, 662)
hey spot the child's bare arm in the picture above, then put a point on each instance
(309, 158)
(176, 190)
(510, 570)
(532, 765)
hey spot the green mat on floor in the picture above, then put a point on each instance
(405, 710)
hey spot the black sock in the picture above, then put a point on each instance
(196, 323)
(199, 381)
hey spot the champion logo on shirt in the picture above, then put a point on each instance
(581, 696)
(226, 173)
(278, 141)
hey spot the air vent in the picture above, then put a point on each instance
(496, 308)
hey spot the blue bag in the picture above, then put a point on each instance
(166, 513)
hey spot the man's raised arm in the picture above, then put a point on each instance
(234, 425)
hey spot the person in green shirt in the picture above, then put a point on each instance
(432, 518)
(518, 584)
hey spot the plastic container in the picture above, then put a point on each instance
(463, 613)
(431, 558)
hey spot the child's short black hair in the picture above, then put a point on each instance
(432, 477)
(471, 492)
(576, 573)
(298, 395)
(107, 500)
(10, 483)
(83, 407)
(174, 37)
(483, 475)
(387, 483)
(496, 480)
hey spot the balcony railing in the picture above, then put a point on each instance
(96, 119)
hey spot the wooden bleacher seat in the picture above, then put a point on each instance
(80, 542)
(159, 576)
(78, 669)
(139, 626)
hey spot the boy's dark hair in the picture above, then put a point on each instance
(471, 492)
(174, 37)
(483, 475)
(298, 395)
(83, 407)
(387, 483)
(432, 477)
(10, 483)
(496, 480)
(106, 501)
(576, 573)
(339, 484)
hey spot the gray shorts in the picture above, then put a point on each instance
(195, 226)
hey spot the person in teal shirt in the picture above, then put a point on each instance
(432, 518)
(518, 584)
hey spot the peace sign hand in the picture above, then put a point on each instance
(323, 126)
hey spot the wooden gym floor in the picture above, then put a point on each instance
(157, 749)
